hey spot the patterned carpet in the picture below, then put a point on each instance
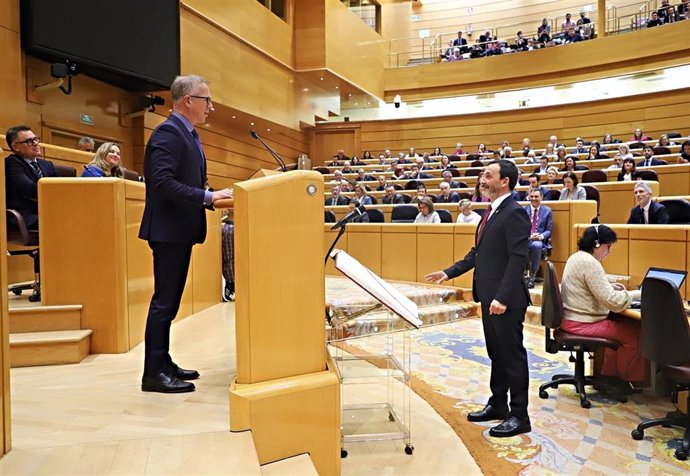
(451, 371)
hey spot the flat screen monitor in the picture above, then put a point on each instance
(133, 44)
(675, 276)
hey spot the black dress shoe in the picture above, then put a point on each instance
(489, 412)
(165, 383)
(530, 282)
(184, 374)
(510, 427)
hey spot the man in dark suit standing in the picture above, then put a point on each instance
(461, 43)
(541, 220)
(499, 258)
(23, 169)
(647, 212)
(174, 220)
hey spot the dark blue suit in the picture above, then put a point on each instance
(498, 261)
(21, 185)
(174, 220)
(544, 227)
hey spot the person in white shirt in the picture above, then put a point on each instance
(426, 211)
(467, 215)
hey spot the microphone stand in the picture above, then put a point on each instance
(275, 155)
(340, 234)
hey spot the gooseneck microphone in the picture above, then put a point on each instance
(273, 153)
(353, 215)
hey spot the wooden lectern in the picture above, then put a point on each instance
(286, 390)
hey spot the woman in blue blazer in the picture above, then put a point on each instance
(106, 163)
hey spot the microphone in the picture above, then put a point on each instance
(354, 214)
(275, 155)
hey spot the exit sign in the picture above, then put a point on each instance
(86, 119)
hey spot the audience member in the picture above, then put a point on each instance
(446, 163)
(647, 212)
(461, 43)
(382, 183)
(617, 162)
(520, 42)
(465, 214)
(426, 211)
(363, 177)
(437, 152)
(684, 9)
(649, 159)
(666, 13)
(363, 218)
(448, 52)
(583, 17)
(392, 197)
(494, 49)
(448, 178)
(387, 155)
(338, 158)
(481, 148)
(544, 27)
(684, 152)
(572, 36)
(572, 189)
(552, 176)
(347, 167)
(530, 157)
(477, 195)
(543, 165)
(568, 23)
(402, 158)
(570, 164)
(553, 140)
(106, 162)
(629, 170)
(458, 149)
(594, 154)
(526, 145)
(639, 136)
(540, 232)
(336, 198)
(23, 169)
(664, 141)
(533, 182)
(455, 55)
(561, 154)
(550, 150)
(446, 195)
(361, 196)
(87, 144)
(589, 298)
(421, 193)
(624, 151)
(580, 147)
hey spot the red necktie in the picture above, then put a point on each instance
(534, 221)
(482, 224)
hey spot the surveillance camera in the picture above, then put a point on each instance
(397, 100)
(63, 70)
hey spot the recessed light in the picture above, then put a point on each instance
(356, 104)
(234, 117)
(321, 79)
(349, 94)
(251, 123)
(337, 87)
(268, 129)
(305, 90)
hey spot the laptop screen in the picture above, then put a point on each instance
(676, 276)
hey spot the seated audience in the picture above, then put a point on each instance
(533, 182)
(520, 42)
(589, 298)
(550, 150)
(624, 151)
(363, 218)
(580, 147)
(531, 157)
(608, 140)
(382, 183)
(87, 144)
(361, 196)
(356, 161)
(367, 156)
(458, 149)
(339, 158)
(617, 162)
(570, 164)
(437, 153)
(647, 212)
(421, 193)
(543, 165)
(629, 170)
(654, 21)
(455, 55)
(594, 154)
(392, 197)
(561, 154)
(684, 10)
(544, 27)
(664, 141)
(426, 211)
(553, 140)
(363, 177)
(461, 43)
(526, 146)
(23, 169)
(540, 232)
(494, 49)
(466, 215)
(347, 167)
(445, 163)
(639, 136)
(106, 162)
(649, 159)
(583, 17)
(335, 198)
(552, 176)
(416, 174)
(445, 55)
(572, 189)
(573, 36)
(446, 195)
(448, 178)
(481, 148)
(412, 155)
(568, 23)
(684, 157)
(477, 195)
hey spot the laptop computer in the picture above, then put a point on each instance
(674, 275)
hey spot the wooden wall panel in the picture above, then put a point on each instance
(310, 35)
(327, 143)
(5, 403)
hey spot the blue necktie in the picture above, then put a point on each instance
(198, 142)
(36, 168)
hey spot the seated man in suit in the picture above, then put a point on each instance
(364, 218)
(446, 196)
(647, 211)
(533, 182)
(543, 165)
(392, 198)
(540, 233)
(448, 178)
(649, 159)
(336, 198)
(23, 169)
(363, 177)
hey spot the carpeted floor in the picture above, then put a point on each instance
(451, 372)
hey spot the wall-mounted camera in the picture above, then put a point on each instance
(60, 71)
(397, 100)
(151, 101)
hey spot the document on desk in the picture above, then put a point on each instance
(379, 289)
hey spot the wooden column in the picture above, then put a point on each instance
(601, 19)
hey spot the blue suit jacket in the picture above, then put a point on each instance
(21, 185)
(175, 172)
(544, 222)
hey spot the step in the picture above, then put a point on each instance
(49, 348)
(300, 465)
(45, 318)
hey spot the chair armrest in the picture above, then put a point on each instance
(13, 216)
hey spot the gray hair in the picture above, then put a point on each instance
(465, 203)
(644, 186)
(86, 140)
(183, 85)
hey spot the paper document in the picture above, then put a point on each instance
(377, 287)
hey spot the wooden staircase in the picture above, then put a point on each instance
(47, 335)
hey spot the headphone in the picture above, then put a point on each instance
(596, 242)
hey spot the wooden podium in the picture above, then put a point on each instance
(287, 389)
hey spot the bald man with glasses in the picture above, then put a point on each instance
(24, 167)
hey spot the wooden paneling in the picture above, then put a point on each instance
(5, 404)
(310, 35)
(326, 143)
(9, 15)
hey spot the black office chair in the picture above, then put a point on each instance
(329, 216)
(413, 184)
(636, 145)
(65, 170)
(592, 193)
(590, 176)
(453, 171)
(647, 175)
(406, 198)
(133, 175)
(375, 215)
(404, 214)
(27, 242)
(666, 341)
(374, 200)
(444, 215)
(322, 170)
(661, 150)
(551, 317)
(473, 172)
(678, 210)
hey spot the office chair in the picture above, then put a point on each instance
(404, 214)
(19, 234)
(375, 215)
(551, 317)
(665, 339)
(678, 211)
(444, 215)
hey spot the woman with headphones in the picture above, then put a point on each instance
(589, 298)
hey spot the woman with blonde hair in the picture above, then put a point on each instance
(106, 163)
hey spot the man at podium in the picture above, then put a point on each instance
(174, 220)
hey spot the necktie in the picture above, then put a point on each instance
(198, 142)
(534, 221)
(36, 168)
(482, 224)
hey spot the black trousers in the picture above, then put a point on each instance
(170, 268)
(509, 372)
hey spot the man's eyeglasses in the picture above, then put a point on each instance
(30, 141)
(205, 98)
